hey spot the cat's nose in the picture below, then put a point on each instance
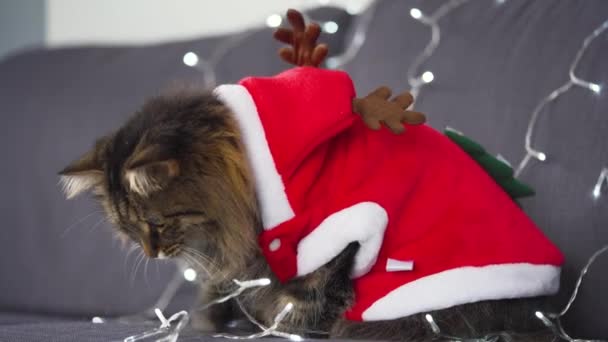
(150, 249)
(150, 240)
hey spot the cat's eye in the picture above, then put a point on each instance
(194, 219)
(190, 217)
(154, 224)
(185, 213)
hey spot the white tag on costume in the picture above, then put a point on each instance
(394, 265)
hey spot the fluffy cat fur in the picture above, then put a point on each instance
(175, 179)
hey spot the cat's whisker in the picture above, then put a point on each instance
(131, 278)
(71, 226)
(194, 262)
(194, 252)
(211, 268)
(97, 224)
(130, 230)
(132, 248)
(203, 256)
(146, 272)
(140, 258)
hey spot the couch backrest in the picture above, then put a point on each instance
(494, 64)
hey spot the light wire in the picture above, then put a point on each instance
(414, 78)
(573, 80)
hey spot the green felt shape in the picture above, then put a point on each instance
(498, 169)
(495, 167)
(516, 189)
(470, 146)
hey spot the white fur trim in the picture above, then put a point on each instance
(465, 285)
(270, 190)
(364, 222)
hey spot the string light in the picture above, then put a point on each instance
(427, 77)
(597, 189)
(189, 274)
(97, 320)
(207, 66)
(573, 80)
(190, 59)
(417, 82)
(355, 7)
(274, 20)
(270, 331)
(356, 42)
(172, 287)
(416, 13)
(554, 322)
(166, 331)
(241, 287)
(432, 323)
(330, 27)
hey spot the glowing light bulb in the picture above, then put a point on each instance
(427, 77)
(432, 323)
(189, 274)
(543, 318)
(330, 27)
(97, 320)
(190, 59)
(274, 20)
(354, 7)
(596, 88)
(323, 2)
(332, 63)
(500, 2)
(541, 156)
(416, 13)
(596, 192)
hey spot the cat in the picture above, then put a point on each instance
(176, 180)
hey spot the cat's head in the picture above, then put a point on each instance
(174, 179)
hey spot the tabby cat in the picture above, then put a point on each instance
(175, 179)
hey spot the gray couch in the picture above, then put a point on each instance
(59, 264)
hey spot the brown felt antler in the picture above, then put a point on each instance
(376, 108)
(304, 49)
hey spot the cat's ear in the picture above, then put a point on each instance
(150, 169)
(81, 175)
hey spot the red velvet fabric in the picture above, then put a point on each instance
(444, 211)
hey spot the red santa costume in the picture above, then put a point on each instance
(434, 229)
